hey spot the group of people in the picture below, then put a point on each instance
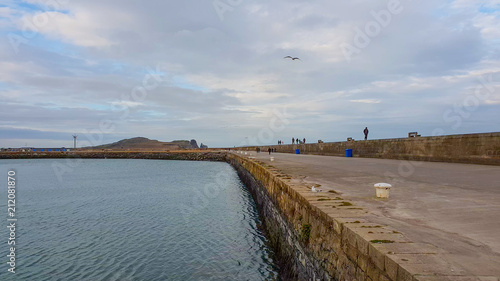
(303, 141)
(257, 149)
(298, 141)
(294, 140)
(271, 150)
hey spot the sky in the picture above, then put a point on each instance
(214, 70)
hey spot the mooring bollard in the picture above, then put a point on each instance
(382, 190)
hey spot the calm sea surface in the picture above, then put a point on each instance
(132, 220)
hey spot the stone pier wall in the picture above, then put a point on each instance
(320, 236)
(470, 148)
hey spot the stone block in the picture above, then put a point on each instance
(334, 243)
(348, 236)
(374, 275)
(404, 275)
(362, 244)
(427, 264)
(391, 267)
(346, 268)
(360, 274)
(385, 278)
(351, 270)
(409, 248)
(365, 224)
(362, 261)
(351, 252)
(337, 226)
(376, 257)
(389, 237)
(342, 260)
(372, 271)
(346, 213)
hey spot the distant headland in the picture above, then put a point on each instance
(145, 143)
(132, 144)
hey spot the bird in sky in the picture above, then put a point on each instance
(290, 57)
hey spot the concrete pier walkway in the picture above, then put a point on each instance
(455, 207)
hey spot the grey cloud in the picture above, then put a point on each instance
(75, 88)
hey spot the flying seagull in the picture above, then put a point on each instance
(289, 57)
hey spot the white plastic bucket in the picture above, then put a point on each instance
(382, 190)
(272, 158)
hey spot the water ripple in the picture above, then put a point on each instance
(125, 220)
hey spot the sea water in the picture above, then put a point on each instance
(109, 219)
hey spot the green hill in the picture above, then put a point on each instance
(145, 143)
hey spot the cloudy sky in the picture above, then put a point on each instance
(215, 70)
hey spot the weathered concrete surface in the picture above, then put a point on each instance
(453, 210)
(470, 148)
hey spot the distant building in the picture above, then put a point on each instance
(62, 149)
(21, 149)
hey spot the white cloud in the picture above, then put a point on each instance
(489, 25)
(366, 101)
(127, 104)
(6, 12)
(80, 29)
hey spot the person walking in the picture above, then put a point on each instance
(293, 141)
(304, 140)
(269, 149)
(365, 131)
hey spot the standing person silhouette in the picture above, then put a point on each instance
(365, 131)
(293, 141)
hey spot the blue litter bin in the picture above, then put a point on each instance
(297, 151)
(348, 153)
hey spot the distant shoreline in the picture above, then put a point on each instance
(192, 155)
